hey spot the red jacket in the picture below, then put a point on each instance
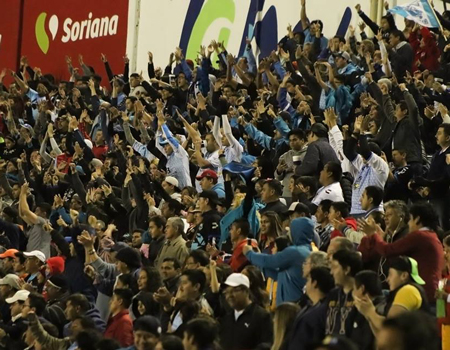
(351, 222)
(424, 247)
(238, 260)
(427, 55)
(100, 152)
(120, 328)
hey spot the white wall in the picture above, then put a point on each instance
(161, 22)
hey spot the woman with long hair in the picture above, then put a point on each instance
(282, 322)
(149, 281)
(271, 228)
(257, 286)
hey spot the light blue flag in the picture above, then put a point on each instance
(419, 11)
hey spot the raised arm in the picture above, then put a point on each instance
(216, 131)
(25, 213)
(303, 17)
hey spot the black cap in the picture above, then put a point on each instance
(129, 256)
(11, 212)
(211, 195)
(59, 281)
(148, 324)
(119, 246)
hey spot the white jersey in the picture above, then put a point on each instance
(332, 192)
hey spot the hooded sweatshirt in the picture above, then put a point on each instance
(286, 267)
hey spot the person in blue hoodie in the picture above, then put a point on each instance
(286, 267)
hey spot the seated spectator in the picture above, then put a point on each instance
(421, 244)
(120, 326)
(271, 192)
(406, 294)
(344, 265)
(247, 325)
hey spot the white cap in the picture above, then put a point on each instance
(237, 279)
(96, 162)
(88, 143)
(171, 181)
(11, 280)
(293, 206)
(21, 295)
(35, 253)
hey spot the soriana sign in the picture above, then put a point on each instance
(54, 29)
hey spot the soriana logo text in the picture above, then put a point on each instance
(88, 29)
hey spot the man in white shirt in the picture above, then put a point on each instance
(331, 188)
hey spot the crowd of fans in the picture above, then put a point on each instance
(296, 201)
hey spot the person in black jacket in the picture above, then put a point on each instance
(210, 226)
(247, 325)
(308, 326)
(156, 227)
(406, 134)
(319, 152)
(11, 333)
(401, 54)
(437, 183)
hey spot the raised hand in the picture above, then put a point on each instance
(104, 59)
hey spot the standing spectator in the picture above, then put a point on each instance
(319, 152)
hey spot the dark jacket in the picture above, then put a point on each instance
(210, 226)
(252, 328)
(401, 60)
(386, 122)
(14, 334)
(54, 312)
(154, 248)
(406, 134)
(318, 154)
(277, 207)
(94, 314)
(308, 327)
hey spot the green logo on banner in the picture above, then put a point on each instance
(212, 10)
(41, 36)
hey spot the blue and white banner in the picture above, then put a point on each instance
(419, 11)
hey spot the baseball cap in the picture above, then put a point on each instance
(407, 264)
(211, 195)
(11, 280)
(207, 173)
(58, 281)
(237, 279)
(344, 54)
(21, 295)
(171, 181)
(88, 143)
(36, 254)
(10, 253)
(297, 207)
(148, 324)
